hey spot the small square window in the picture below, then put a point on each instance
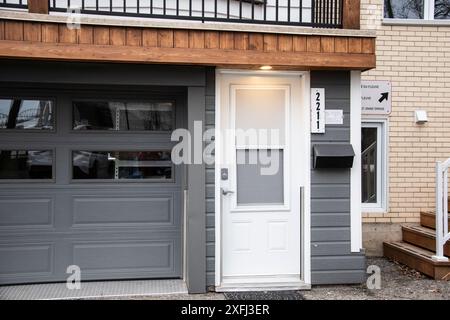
(26, 164)
(26, 114)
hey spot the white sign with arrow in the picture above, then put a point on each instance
(376, 97)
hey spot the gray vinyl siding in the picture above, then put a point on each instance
(209, 190)
(332, 261)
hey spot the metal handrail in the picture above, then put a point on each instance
(14, 4)
(442, 233)
(321, 13)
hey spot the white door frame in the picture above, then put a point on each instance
(305, 231)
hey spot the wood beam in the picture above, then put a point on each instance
(38, 6)
(351, 14)
(212, 57)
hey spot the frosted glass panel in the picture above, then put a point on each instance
(261, 109)
(253, 186)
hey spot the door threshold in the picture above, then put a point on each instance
(273, 286)
(93, 290)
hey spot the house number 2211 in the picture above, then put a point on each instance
(317, 110)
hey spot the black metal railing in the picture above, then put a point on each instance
(313, 13)
(17, 4)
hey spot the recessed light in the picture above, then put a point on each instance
(265, 68)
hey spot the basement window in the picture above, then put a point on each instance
(373, 166)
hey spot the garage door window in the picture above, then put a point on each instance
(26, 164)
(26, 114)
(123, 116)
(116, 165)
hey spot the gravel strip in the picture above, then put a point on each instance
(398, 282)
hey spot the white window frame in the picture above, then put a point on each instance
(382, 160)
(428, 17)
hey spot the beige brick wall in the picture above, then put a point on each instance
(416, 59)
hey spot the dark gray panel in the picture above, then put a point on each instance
(124, 256)
(330, 234)
(23, 212)
(330, 176)
(210, 176)
(123, 210)
(338, 277)
(330, 248)
(330, 205)
(196, 207)
(98, 73)
(210, 187)
(330, 191)
(210, 203)
(338, 263)
(330, 220)
(334, 134)
(18, 259)
(210, 220)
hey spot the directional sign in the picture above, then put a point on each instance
(376, 97)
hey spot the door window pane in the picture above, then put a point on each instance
(403, 9)
(256, 186)
(123, 116)
(26, 164)
(442, 9)
(268, 105)
(369, 164)
(122, 165)
(26, 114)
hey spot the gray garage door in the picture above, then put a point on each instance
(86, 179)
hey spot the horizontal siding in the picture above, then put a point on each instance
(209, 192)
(332, 261)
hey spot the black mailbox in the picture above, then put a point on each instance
(333, 155)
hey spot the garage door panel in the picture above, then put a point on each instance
(26, 212)
(129, 210)
(26, 259)
(125, 256)
(115, 209)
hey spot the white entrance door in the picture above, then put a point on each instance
(263, 158)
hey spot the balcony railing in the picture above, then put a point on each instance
(312, 13)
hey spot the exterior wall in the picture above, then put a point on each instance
(331, 257)
(416, 59)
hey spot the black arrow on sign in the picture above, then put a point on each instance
(384, 96)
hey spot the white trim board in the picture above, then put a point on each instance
(355, 179)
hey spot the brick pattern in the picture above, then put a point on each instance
(416, 59)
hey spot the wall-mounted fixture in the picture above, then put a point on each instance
(420, 116)
(333, 155)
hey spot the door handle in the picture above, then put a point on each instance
(226, 191)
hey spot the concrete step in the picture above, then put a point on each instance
(418, 259)
(423, 238)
